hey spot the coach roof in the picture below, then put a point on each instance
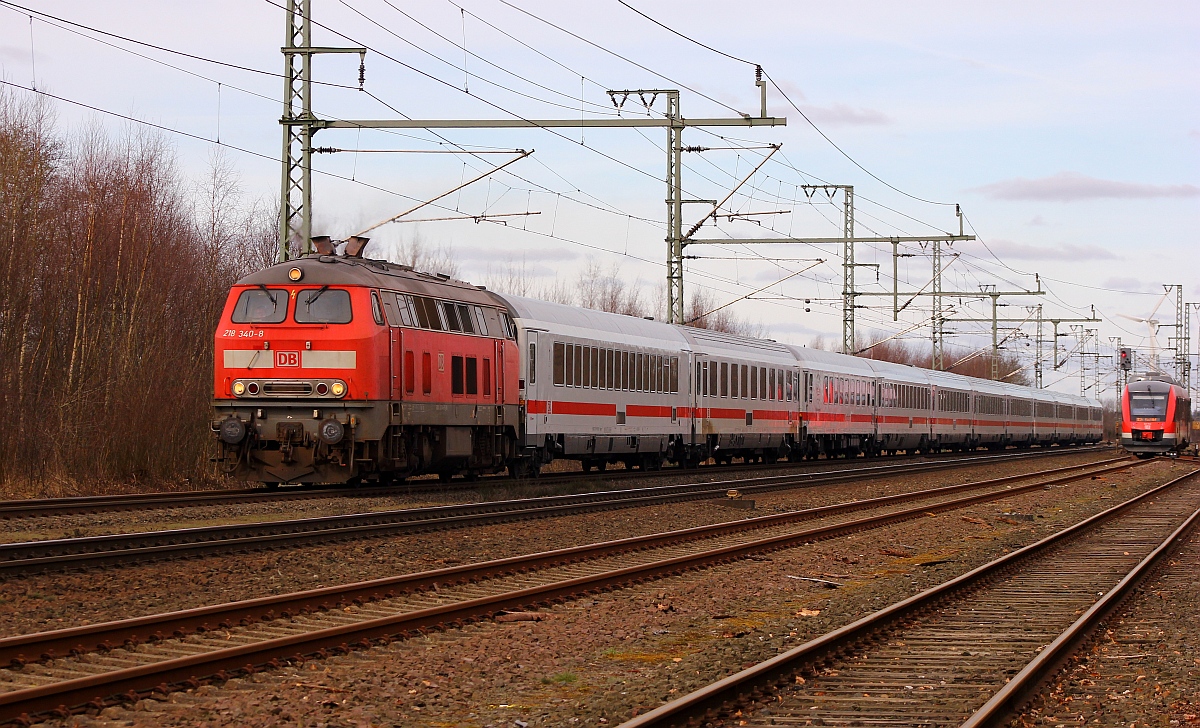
(336, 270)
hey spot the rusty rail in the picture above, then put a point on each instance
(90, 551)
(40, 507)
(219, 664)
(771, 680)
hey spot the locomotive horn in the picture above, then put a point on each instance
(354, 246)
(323, 244)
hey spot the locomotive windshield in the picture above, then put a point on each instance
(1145, 404)
(323, 306)
(261, 306)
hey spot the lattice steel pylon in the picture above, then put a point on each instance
(848, 292)
(674, 210)
(295, 195)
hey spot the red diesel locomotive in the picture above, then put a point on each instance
(1156, 416)
(331, 368)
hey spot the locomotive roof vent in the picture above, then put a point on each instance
(327, 246)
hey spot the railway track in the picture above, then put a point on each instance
(94, 665)
(968, 652)
(92, 551)
(33, 508)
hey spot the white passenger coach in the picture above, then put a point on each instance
(603, 388)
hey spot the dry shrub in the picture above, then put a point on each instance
(109, 296)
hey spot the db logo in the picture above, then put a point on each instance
(287, 358)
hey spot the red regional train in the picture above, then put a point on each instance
(338, 368)
(1156, 416)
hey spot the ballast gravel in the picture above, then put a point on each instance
(57, 600)
(1144, 668)
(598, 661)
(416, 494)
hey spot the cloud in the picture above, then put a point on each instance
(1065, 251)
(1038, 221)
(1072, 186)
(507, 255)
(1194, 133)
(1124, 284)
(843, 115)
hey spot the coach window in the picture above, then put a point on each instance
(712, 379)
(733, 381)
(426, 373)
(675, 374)
(587, 367)
(595, 368)
(472, 375)
(724, 379)
(578, 381)
(570, 365)
(532, 363)
(560, 364)
(456, 375)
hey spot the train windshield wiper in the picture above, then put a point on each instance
(313, 298)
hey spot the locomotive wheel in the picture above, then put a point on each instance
(445, 477)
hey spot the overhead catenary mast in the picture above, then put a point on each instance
(300, 125)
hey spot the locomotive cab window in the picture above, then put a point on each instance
(323, 306)
(261, 306)
(1145, 404)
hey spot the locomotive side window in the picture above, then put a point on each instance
(472, 375)
(323, 306)
(261, 306)
(410, 372)
(427, 313)
(464, 318)
(376, 309)
(487, 377)
(456, 375)
(480, 321)
(426, 373)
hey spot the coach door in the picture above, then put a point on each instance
(536, 409)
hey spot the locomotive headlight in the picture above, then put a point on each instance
(338, 389)
(295, 274)
(332, 432)
(239, 388)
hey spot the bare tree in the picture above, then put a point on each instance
(704, 312)
(605, 290)
(423, 256)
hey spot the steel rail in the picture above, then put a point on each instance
(42, 507)
(90, 551)
(88, 638)
(756, 682)
(131, 683)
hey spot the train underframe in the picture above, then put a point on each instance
(297, 443)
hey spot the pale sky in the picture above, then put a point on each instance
(1069, 132)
